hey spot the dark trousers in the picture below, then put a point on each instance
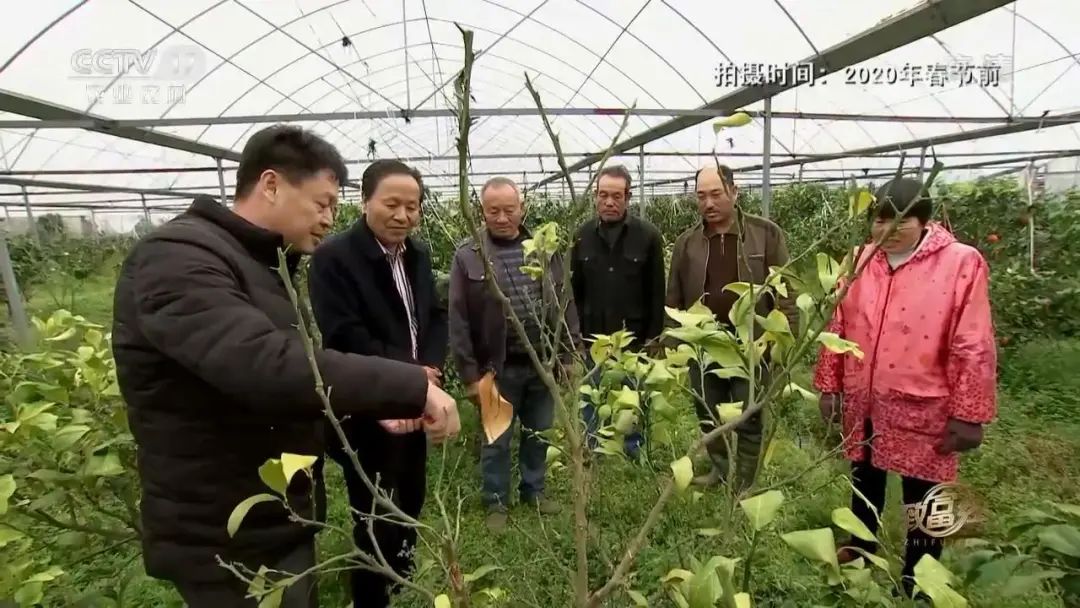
(398, 465)
(871, 481)
(748, 434)
(535, 409)
(230, 594)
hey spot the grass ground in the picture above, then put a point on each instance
(1031, 454)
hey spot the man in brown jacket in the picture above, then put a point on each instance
(707, 257)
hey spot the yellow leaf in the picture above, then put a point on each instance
(496, 413)
(858, 203)
(683, 470)
(291, 463)
(729, 411)
(442, 601)
(837, 344)
(737, 119)
(241, 510)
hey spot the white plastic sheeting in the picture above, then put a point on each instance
(149, 59)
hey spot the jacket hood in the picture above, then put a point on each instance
(937, 238)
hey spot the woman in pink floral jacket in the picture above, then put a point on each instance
(920, 312)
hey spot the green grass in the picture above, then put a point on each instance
(1030, 455)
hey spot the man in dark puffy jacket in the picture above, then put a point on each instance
(217, 380)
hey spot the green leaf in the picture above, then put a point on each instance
(709, 532)
(69, 436)
(103, 466)
(776, 322)
(1062, 538)
(272, 599)
(722, 349)
(683, 470)
(442, 601)
(552, 454)
(998, 570)
(837, 344)
(48, 575)
(67, 334)
(740, 313)
(761, 510)
(729, 372)
(877, 560)
(93, 338)
(29, 594)
(738, 119)
(729, 411)
(795, 389)
(1028, 583)
(625, 421)
(693, 317)
(658, 374)
(533, 272)
(7, 490)
(742, 600)
(828, 272)
(1073, 510)
(241, 510)
(7, 535)
(480, 573)
(627, 398)
(817, 545)
(805, 302)
(637, 598)
(846, 519)
(273, 475)
(935, 580)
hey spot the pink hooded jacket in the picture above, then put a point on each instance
(929, 355)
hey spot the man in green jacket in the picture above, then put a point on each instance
(711, 254)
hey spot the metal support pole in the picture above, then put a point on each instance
(221, 182)
(31, 224)
(93, 222)
(922, 161)
(145, 211)
(641, 179)
(766, 161)
(16, 309)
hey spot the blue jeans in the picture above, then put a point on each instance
(534, 407)
(633, 440)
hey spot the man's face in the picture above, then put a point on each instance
(301, 212)
(904, 238)
(393, 209)
(612, 197)
(716, 200)
(503, 211)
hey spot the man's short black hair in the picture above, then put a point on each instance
(292, 151)
(894, 196)
(619, 171)
(726, 175)
(386, 167)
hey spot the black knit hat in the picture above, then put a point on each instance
(895, 196)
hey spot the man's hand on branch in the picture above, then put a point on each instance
(440, 419)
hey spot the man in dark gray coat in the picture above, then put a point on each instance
(483, 340)
(217, 380)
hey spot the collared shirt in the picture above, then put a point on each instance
(396, 257)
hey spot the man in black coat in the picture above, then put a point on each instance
(617, 273)
(373, 293)
(217, 379)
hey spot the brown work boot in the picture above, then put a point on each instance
(496, 518)
(545, 505)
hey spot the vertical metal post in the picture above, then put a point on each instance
(19, 323)
(766, 161)
(922, 161)
(145, 211)
(221, 182)
(93, 222)
(31, 224)
(641, 179)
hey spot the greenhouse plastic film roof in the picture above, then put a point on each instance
(1007, 69)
